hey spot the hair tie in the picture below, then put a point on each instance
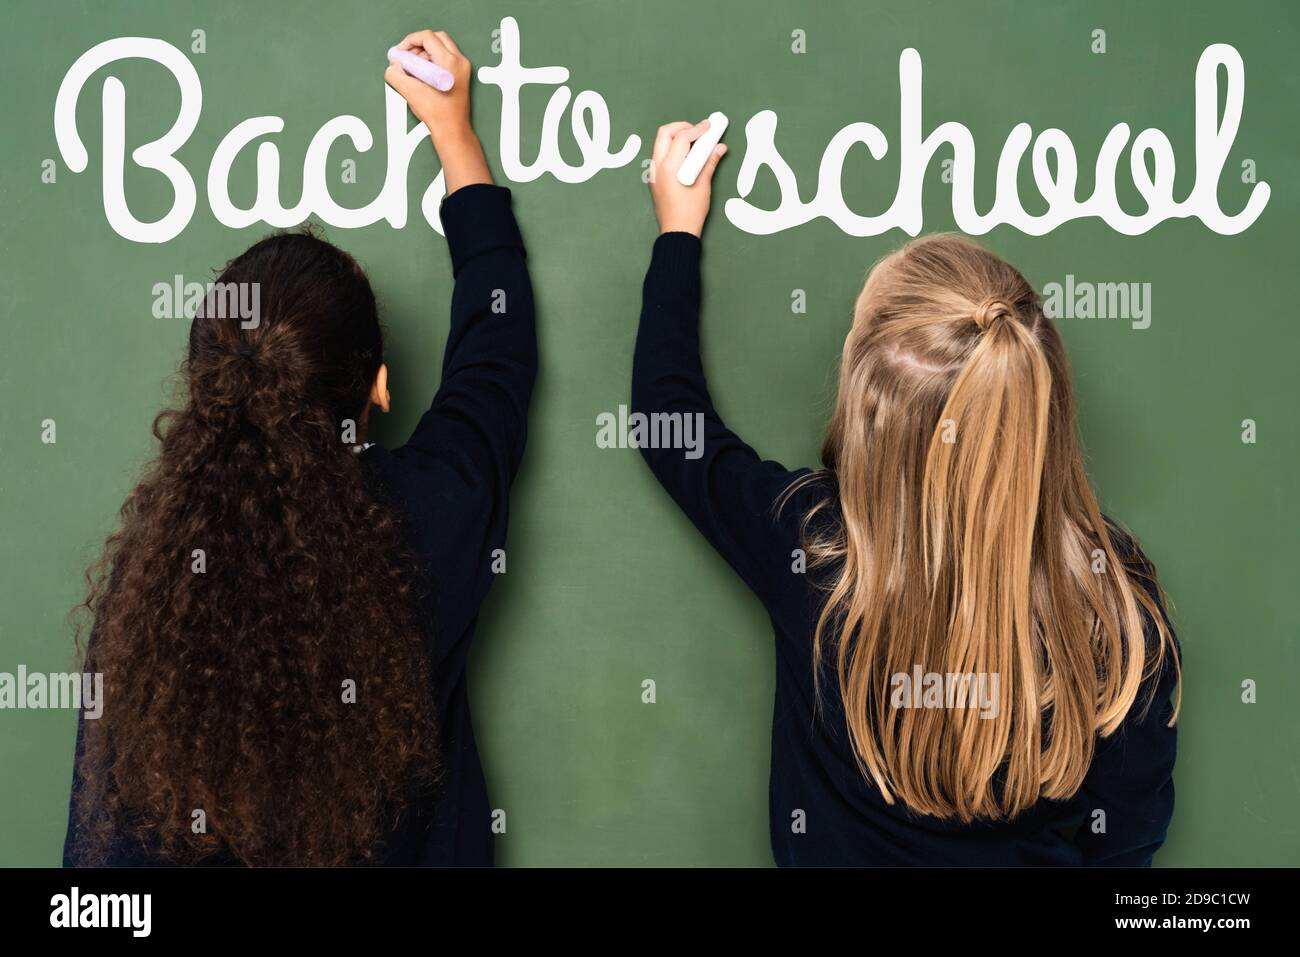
(990, 310)
(246, 351)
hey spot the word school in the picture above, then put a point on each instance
(590, 125)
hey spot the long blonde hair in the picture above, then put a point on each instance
(969, 542)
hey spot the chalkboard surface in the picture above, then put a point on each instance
(1188, 391)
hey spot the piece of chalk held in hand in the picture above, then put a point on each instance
(426, 71)
(701, 150)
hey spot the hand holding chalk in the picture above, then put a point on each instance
(426, 71)
(700, 152)
(433, 76)
(683, 161)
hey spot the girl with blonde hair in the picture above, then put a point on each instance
(974, 665)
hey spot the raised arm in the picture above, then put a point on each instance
(722, 485)
(463, 455)
(479, 415)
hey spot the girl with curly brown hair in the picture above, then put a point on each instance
(284, 616)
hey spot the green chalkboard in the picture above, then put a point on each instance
(607, 584)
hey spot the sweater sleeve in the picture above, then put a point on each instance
(723, 486)
(479, 414)
(466, 449)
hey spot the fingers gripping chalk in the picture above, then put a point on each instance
(423, 70)
(702, 148)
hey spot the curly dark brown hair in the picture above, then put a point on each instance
(225, 685)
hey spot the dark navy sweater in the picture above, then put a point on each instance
(729, 493)
(449, 486)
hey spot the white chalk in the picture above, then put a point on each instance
(426, 71)
(701, 150)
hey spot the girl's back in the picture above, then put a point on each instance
(283, 619)
(825, 811)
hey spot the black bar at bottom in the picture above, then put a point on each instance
(480, 907)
